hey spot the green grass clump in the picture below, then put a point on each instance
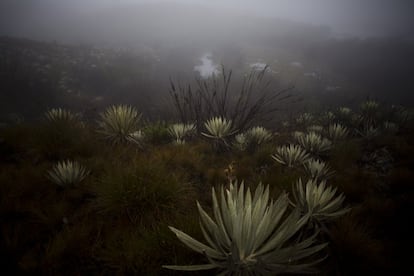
(140, 192)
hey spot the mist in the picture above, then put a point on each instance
(71, 20)
(327, 49)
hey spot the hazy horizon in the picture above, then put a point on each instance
(71, 21)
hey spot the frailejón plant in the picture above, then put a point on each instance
(258, 135)
(314, 143)
(67, 173)
(55, 115)
(317, 169)
(119, 123)
(251, 235)
(318, 201)
(180, 131)
(290, 155)
(337, 132)
(218, 128)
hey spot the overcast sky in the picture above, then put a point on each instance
(356, 17)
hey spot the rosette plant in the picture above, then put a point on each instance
(219, 129)
(318, 200)
(119, 123)
(251, 235)
(258, 135)
(290, 155)
(56, 115)
(180, 131)
(314, 143)
(317, 169)
(337, 132)
(67, 173)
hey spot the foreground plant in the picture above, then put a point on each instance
(251, 236)
(119, 123)
(67, 173)
(318, 201)
(290, 155)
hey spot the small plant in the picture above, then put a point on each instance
(328, 117)
(250, 235)
(344, 111)
(67, 173)
(252, 138)
(241, 142)
(315, 128)
(297, 134)
(390, 127)
(136, 137)
(304, 119)
(401, 115)
(219, 129)
(56, 115)
(290, 155)
(156, 132)
(317, 169)
(344, 115)
(180, 131)
(314, 143)
(369, 106)
(258, 135)
(119, 123)
(318, 201)
(369, 112)
(337, 132)
(369, 132)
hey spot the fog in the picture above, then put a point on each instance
(327, 49)
(65, 19)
